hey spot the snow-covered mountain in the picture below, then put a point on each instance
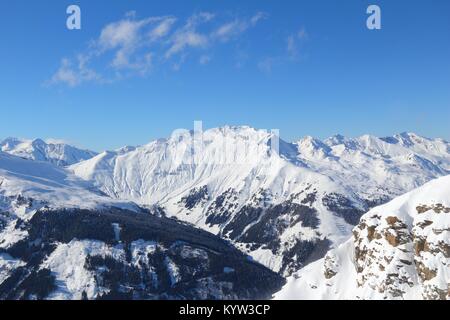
(50, 185)
(379, 168)
(27, 186)
(104, 227)
(284, 208)
(61, 238)
(57, 153)
(400, 250)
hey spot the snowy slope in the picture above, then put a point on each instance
(48, 183)
(60, 238)
(27, 186)
(57, 153)
(284, 209)
(400, 250)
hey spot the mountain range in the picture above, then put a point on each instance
(284, 205)
(58, 153)
(61, 238)
(308, 194)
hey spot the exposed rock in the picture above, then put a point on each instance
(330, 266)
(195, 198)
(343, 207)
(437, 208)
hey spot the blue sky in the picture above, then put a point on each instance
(139, 69)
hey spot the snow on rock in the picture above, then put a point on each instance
(67, 263)
(140, 251)
(400, 250)
(7, 265)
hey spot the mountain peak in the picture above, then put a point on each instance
(311, 142)
(411, 136)
(10, 142)
(39, 142)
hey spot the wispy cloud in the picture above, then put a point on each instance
(294, 41)
(188, 36)
(162, 29)
(186, 39)
(234, 28)
(128, 36)
(133, 47)
(73, 74)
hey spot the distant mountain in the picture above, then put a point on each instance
(378, 168)
(61, 238)
(57, 153)
(400, 250)
(286, 208)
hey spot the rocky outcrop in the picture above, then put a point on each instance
(432, 249)
(400, 250)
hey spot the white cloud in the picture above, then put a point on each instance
(294, 40)
(133, 46)
(162, 29)
(257, 17)
(199, 18)
(226, 29)
(188, 36)
(141, 64)
(234, 28)
(123, 38)
(126, 37)
(66, 74)
(120, 34)
(183, 39)
(73, 74)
